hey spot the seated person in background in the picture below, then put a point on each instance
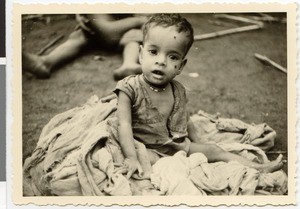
(108, 31)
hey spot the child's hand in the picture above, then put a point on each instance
(108, 98)
(131, 166)
(82, 21)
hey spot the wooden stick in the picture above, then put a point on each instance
(241, 19)
(30, 17)
(267, 19)
(265, 15)
(267, 60)
(226, 32)
(49, 45)
(276, 152)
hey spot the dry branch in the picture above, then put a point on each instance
(241, 19)
(32, 17)
(226, 32)
(49, 45)
(267, 60)
(277, 152)
(269, 19)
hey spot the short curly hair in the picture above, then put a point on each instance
(168, 20)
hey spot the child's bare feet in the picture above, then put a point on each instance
(126, 70)
(35, 65)
(273, 165)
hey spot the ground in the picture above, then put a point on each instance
(231, 81)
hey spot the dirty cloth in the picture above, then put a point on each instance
(193, 175)
(77, 154)
(229, 130)
(148, 124)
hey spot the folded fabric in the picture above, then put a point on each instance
(78, 154)
(193, 175)
(229, 130)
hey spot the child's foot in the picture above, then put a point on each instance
(35, 65)
(273, 165)
(126, 70)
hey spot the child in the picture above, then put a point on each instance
(152, 106)
(106, 30)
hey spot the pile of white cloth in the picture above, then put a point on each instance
(77, 155)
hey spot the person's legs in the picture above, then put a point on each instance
(130, 65)
(34, 64)
(130, 42)
(41, 66)
(215, 153)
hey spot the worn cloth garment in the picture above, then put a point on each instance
(229, 130)
(78, 154)
(193, 175)
(148, 125)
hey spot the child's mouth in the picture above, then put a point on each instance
(157, 72)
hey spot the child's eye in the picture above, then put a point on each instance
(152, 51)
(174, 57)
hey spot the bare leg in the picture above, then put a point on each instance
(215, 153)
(41, 66)
(112, 30)
(130, 65)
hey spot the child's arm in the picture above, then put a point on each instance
(126, 136)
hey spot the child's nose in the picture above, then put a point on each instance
(161, 59)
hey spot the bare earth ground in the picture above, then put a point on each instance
(231, 81)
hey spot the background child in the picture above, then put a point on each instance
(152, 106)
(104, 30)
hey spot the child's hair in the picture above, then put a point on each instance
(167, 20)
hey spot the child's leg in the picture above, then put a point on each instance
(130, 65)
(41, 66)
(215, 153)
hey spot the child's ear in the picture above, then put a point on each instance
(141, 54)
(181, 66)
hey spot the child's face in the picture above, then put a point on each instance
(162, 55)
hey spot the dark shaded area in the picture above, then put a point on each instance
(2, 28)
(2, 125)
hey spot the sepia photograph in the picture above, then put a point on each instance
(168, 101)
